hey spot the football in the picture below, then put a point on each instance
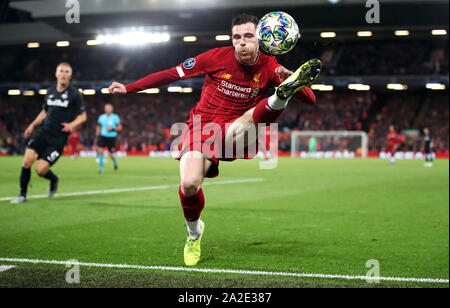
(278, 33)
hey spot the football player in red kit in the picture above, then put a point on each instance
(74, 141)
(237, 79)
(393, 143)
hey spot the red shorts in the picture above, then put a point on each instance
(206, 135)
(392, 147)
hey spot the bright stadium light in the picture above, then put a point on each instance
(397, 86)
(364, 33)
(104, 91)
(14, 92)
(62, 43)
(28, 93)
(322, 87)
(401, 32)
(435, 86)
(191, 38)
(187, 90)
(94, 42)
(224, 37)
(175, 89)
(439, 32)
(89, 92)
(358, 87)
(33, 45)
(134, 38)
(150, 91)
(43, 92)
(328, 34)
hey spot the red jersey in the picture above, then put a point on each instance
(74, 137)
(393, 137)
(230, 87)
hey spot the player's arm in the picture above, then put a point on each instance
(80, 119)
(37, 121)
(192, 67)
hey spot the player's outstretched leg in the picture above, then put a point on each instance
(193, 167)
(268, 110)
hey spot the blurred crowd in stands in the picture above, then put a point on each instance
(147, 118)
(397, 57)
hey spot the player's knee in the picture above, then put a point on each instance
(41, 170)
(190, 186)
(27, 163)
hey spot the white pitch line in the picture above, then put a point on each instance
(4, 268)
(109, 191)
(226, 271)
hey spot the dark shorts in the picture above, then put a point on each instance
(107, 142)
(48, 147)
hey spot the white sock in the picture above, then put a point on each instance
(276, 104)
(194, 228)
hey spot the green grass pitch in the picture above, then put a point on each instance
(304, 216)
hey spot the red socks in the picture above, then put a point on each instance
(193, 205)
(263, 113)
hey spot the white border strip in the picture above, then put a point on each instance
(110, 191)
(225, 271)
(4, 268)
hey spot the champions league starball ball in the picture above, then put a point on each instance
(278, 33)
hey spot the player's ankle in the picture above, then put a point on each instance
(275, 103)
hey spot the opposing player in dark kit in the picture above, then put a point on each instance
(62, 112)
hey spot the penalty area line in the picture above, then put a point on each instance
(225, 271)
(111, 191)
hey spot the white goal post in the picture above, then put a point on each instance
(329, 144)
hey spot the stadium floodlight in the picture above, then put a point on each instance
(134, 38)
(439, 32)
(358, 87)
(94, 42)
(150, 91)
(33, 45)
(89, 92)
(104, 91)
(224, 37)
(62, 43)
(191, 38)
(322, 87)
(187, 90)
(175, 89)
(364, 33)
(396, 86)
(329, 144)
(43, 92)
(28, 93)
(401, 32)
(14, 92)
(435, 86)
(327, 34)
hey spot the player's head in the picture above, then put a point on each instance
(63, 73)
(391, 128)
(245, 41)
(426, 130)
(109, 108)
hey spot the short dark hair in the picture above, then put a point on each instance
(243, 19)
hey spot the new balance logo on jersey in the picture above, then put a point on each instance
(58, 103)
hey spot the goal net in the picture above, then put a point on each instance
(329, 144)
